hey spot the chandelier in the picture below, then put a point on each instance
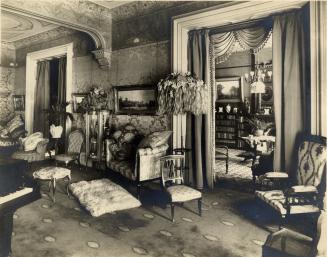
(258, 77)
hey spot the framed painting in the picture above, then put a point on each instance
(138, 99)
(229, 89)
(77, 100)
(19, 102)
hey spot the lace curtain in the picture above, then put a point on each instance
(253, 39)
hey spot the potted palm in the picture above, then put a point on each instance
(258, 126)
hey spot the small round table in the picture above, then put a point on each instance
(52, 174)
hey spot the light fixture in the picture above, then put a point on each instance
(262, 72)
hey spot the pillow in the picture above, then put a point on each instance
(121, 152)
(31, 141)
(18, 132)
(155, 139)
(4, 133)
(16, 122)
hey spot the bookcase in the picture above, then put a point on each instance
(229, 128)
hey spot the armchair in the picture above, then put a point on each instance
(305, 194)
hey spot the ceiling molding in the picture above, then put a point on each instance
(16, 27)
(97, 36)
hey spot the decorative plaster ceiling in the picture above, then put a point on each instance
(15, 27)
(110, 4)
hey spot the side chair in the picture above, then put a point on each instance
(75, 142)
(172, 169)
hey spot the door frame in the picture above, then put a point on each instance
(31, 70)
(220, 15)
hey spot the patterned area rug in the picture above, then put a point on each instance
(239, 172)
(231, 225)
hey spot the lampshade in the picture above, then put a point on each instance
(258, 87)
(182, 93)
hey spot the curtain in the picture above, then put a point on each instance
(62, 80)
(197, 125)
(61, 98)
(253, 38)
(290, 85)
(42, 98)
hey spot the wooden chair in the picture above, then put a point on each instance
(75, 142)
(305, 194)
(172, 169)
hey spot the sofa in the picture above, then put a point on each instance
(10, 131)
(135, 156)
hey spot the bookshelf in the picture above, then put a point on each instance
(229, 128)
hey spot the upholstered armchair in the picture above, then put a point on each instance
(305, 193)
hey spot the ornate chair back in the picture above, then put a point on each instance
(75, 142)
(311, 159)
(172, 169)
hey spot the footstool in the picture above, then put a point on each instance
(52, 174)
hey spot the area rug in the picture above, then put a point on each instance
(103, 196)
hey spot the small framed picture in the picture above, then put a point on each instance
(77, 100)
(19, 102)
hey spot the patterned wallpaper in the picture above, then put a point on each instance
(145, 64)
(6, 87)
(144, 124)
(144, 22)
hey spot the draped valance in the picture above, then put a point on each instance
(253, 39)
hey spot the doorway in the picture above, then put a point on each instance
(31, 70)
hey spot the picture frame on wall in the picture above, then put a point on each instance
(19, 102)
(77, 100)
(138, 99)
(229, 89)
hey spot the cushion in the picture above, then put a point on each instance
(15, 123)
(31, 141)
(51, 173)
(103, 196)
(122, 148)
(29, 156)
(155, 139)
(66, 158)
(18, 132)
(181, 193)
(5, 142)
(276, 199)
(4, 133)
(304, 189)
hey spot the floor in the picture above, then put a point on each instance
(239, 171)
(233, 224)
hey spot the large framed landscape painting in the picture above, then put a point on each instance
(139, 99)
(229, 89)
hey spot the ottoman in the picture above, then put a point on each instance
(52, 174)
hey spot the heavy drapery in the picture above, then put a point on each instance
(197, 136)
(62, 87)
(290, 85)
(42, 98)
(253, 38)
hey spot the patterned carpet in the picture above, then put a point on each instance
(232, 225)
(239, 172)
